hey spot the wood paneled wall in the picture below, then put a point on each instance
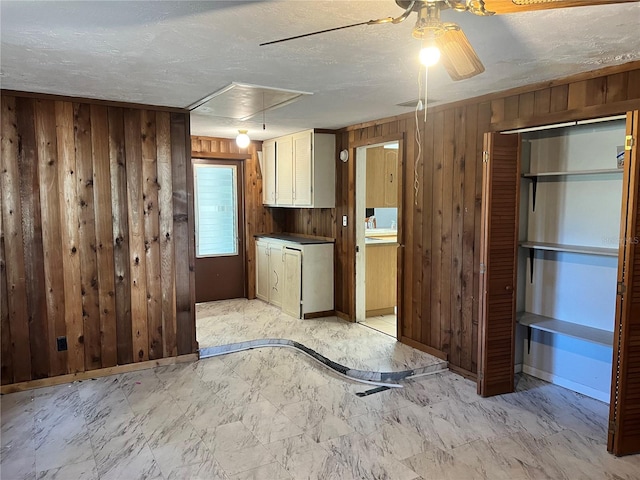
(96, 243)
(258, 219)
(441, 225)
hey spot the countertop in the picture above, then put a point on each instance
(380, 236)
(368, 241)
(291, 237)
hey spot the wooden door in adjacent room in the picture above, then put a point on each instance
(220, 252)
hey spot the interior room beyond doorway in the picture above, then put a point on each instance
(377, 233)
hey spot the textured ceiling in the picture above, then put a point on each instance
(175, 53)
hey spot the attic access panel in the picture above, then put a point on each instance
(241, 101)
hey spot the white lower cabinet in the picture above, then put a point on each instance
(298, 277)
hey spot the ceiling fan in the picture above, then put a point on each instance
(447, 41)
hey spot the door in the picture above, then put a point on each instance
(220, 255)
(292, 278)
(391, 177)
(275, 271)
(498, 257)
(262, 268)
(624, 417)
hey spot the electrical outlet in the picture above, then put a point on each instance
(62, 343)
(344, 220)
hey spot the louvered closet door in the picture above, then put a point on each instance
(624, 420)
(499, 244)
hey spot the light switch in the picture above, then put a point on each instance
(344, 220)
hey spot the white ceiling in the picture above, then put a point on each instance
(175, 53)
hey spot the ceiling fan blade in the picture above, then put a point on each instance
(316, 33)
(457, 55)
(400, 19)
(515, 6)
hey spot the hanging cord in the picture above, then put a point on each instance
(264, 125)
(416, 180)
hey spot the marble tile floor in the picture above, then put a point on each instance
(349, 344)
(273, 414)
(382, 323)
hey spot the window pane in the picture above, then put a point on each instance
(216, 210)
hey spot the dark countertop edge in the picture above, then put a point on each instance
(291, 237)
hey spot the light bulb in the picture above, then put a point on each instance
(243, 140)
(430, 55)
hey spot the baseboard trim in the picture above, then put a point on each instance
(100, 372)
(563, 382)
(328, 313)
(463, 372)
(380, 311)
(424, 348)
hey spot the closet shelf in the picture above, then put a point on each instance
(559, 247)
(575, 172)
(574, 330)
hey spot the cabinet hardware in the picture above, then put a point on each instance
(629, 142)
(483, 268)
(485, 156)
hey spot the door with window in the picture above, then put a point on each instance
(220, 253)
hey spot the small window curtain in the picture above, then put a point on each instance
(216, 198)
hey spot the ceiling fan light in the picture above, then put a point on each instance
(429, 55)
(243, 140)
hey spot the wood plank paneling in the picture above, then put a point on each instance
(183, 234)
(80, 185)
(117, 162)
(14, 246)
(167, 248)
(32, 238)
(87, 237)
(152, 234)
(422, 232)
(6, 367)
(104, 234)
(435, 305)
(457, 232)
(51, 231)
(470, 206)
(70, 235)
(136, 230)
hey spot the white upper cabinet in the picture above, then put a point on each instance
(303, 180)
(302, 173)
(284, 171)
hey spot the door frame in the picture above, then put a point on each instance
(241, 200)
(360, 149)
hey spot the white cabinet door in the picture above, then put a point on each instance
(284, 171)
(276, 274)
(303, 168)
(292, 277)
(262, 271)
(269, 173)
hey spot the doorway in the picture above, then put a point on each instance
(377, 213)
(219, 213)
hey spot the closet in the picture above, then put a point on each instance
(560, 271)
